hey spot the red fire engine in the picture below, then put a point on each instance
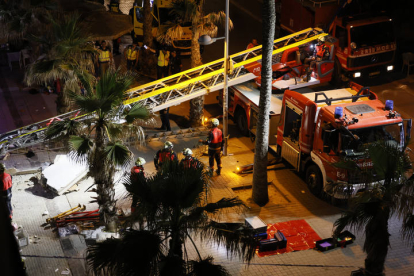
(366, 42)
(313, 131)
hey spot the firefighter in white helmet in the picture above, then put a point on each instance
(137, 171)
(215, 142)
(165, 155)
(139, 166)
(189, 161)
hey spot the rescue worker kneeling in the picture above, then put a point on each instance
(165, 155)
(136, 172)
(189, 161)
(215, 142)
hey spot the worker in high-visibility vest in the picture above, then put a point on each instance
(6, 189)
(163, 60)
(252, 44)
(131, 55)
(215, 142)
(104, 58)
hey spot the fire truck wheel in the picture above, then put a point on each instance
(314, 180)
(241, 121)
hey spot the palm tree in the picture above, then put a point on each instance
(259, 192)
(22, 17)
(146, 59)
(371, 210)
(98, 139)
(173, 208)
(201, 24)
(69, 58)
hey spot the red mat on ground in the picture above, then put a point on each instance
(298, 233)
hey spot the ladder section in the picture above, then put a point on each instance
(173, 89)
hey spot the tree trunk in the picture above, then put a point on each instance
(197, 104)
(260, 192)
(377, 241)
(102, 173)
(146, 60)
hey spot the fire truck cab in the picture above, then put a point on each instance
(314, 131)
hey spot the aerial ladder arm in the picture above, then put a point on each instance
(171, 90)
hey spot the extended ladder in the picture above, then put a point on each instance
(172, 90)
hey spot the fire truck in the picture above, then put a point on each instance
(313, 131)
(366, 45)
(288, 66)
(162, 19)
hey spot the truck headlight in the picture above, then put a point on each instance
(357, 74)
(390, 67)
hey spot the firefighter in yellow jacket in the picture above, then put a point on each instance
(131, 55)
(104, 58)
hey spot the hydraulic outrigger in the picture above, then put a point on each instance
(171, 90)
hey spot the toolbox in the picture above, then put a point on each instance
(281, 240)
(326, 244)
(345, 238)
(256, 223)
(268, 245)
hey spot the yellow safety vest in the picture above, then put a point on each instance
(132, 54)
(104, 55)
(162, 60)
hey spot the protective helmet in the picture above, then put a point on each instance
(2, 168)
(187, 152)
(168, 145)
(214, 122)
(321, 40)
(140, 161)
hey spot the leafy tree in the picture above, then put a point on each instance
(371, 209)
(260, 193)
(173, 208)
(69, 58)
(201, 24)
(98, 138)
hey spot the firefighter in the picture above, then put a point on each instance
(164, 155)
(321, 52)
(7, 189)
(189, 161)
(215, 142)
(131, 56)
(136, 171)
(139, 166)
(252, 44)
(104, 58)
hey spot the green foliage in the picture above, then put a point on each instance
(174, 204)
(371, 209)
(137, 253)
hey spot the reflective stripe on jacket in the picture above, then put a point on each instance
(163, 59)
(7, 181)
(104, 55)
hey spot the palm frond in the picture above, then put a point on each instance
(118, 154)
(137, 111)
(238, 239)
(218, 18)
(66, 127)
(407, 229)
(222, 204)
(81, 147)
(364, 208)
(206, 267)
(137, 253)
